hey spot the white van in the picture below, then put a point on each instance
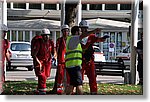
(21, 55)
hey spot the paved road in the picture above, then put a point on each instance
(21, 74)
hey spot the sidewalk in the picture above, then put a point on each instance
(100, 78)
(30, 75)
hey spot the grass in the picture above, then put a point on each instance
(29, 87)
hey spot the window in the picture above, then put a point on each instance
(27, 36)
(125, 6)
(8, 5)
(20, 47)
(8, 35)
(57, 34)
(34, 6)
(33, 33)
(141, 6)
(111, 7)
(96, 7)
(59, 6)
(84, 6)
(119, 40)
(19, 5)
(14, 36)
(20, 35)
(50, 6)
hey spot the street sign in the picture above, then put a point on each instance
(111, 47)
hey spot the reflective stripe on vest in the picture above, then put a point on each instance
(73, 57)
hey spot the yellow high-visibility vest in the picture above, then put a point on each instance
(73, 57)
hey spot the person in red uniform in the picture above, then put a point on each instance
(61, 50)
(5, 53)
(88, 65)
(33, 41)
(43, 50)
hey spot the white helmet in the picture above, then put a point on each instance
(45, 31)
(83, 23)
(64, 27)
(4, 27)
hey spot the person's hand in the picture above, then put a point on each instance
(97, 30)
(40, 65)
(105, 36)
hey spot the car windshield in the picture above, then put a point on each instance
(126, 50)
(96, 50)
(20, 47)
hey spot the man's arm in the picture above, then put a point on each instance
(7, 52)
(7, 55)
(91, 40)
(102, 39)
(83, 35)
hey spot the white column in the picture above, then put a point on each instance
(134, 39)
(11, 5)
(30, 36)
(101, 43)
(23, 35)
(10, 35)
(103, 7)
(79, 13)
(4, 21)
(63, 12)
(118, 7)
(115, 44)
(54, 37)
(108, 47)
(42, 6)
(27, 6)
(4, 12)
(17, 35)
(62, 15)
(57, 6)
(0, 48)
(88, 7)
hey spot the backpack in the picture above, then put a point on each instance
(88, 53)
(33, 42)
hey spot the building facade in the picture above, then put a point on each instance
(25, 19)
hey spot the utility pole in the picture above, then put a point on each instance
(70, 15)
(134, 39)
(79, 13)
(3, 20)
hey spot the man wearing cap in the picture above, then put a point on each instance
(5, 52)
(43, 50)
(61, 50)
(88, 65)
(73, 58)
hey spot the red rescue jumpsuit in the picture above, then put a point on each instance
(61, 50)
(44, 55)
(5, 46)
(89, 67)
(34, 39)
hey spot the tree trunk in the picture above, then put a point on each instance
(71, 13)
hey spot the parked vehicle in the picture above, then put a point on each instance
(125, 56)
(20, 55)
(98, 55)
